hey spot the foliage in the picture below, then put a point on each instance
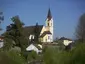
(56, 39)
(7, 44)
(75, 56)
(11, 57)
(14, 32)
(36, 32)
(32, 56)
(1, 19)
(60, 43)
(14, 36)
(78, 54)
(80, 31)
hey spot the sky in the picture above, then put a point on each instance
(65, 13)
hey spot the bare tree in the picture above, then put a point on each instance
(1, 18)
(80, 30)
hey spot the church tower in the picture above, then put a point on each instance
(49, 23)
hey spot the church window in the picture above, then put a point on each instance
(48, 37)
(46, 40)
(51, 24)
(48, 24)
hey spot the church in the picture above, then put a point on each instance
(45, 32)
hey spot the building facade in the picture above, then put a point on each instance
(45, 32)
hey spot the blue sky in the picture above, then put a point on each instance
(65, 13)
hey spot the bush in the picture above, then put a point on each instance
(78, 54)
(75, 56)
(11, 57)
(32, 55)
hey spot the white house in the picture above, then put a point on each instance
(1, 42)
(34, 48)
(66, 41)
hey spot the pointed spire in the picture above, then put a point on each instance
(49, 15)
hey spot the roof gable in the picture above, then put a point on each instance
(44, 33)
(63, 38)
(31, 47)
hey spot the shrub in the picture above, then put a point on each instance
(32, 55)
(75, 56)
(11, 57)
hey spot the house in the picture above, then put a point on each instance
(45, 32)
(1, 42)
(66, 41)
(33, 47)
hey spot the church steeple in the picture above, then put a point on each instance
(49, 15)
(49, 24)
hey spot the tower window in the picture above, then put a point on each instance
(46, 40)
(48, 24)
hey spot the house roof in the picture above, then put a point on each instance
(38, 46)
(30, 29)
(1, 37)
(34, 47)
(44, 33)
(63, 38)
(31, 47)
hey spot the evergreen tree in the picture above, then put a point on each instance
(36, 32)
(14, 33)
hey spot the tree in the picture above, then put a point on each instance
(36, 32)
(1, 18)
(14, 33)
(80, 31)
(56, 40)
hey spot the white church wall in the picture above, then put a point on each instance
(50, 26)
(43, 29)
(47, 38)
